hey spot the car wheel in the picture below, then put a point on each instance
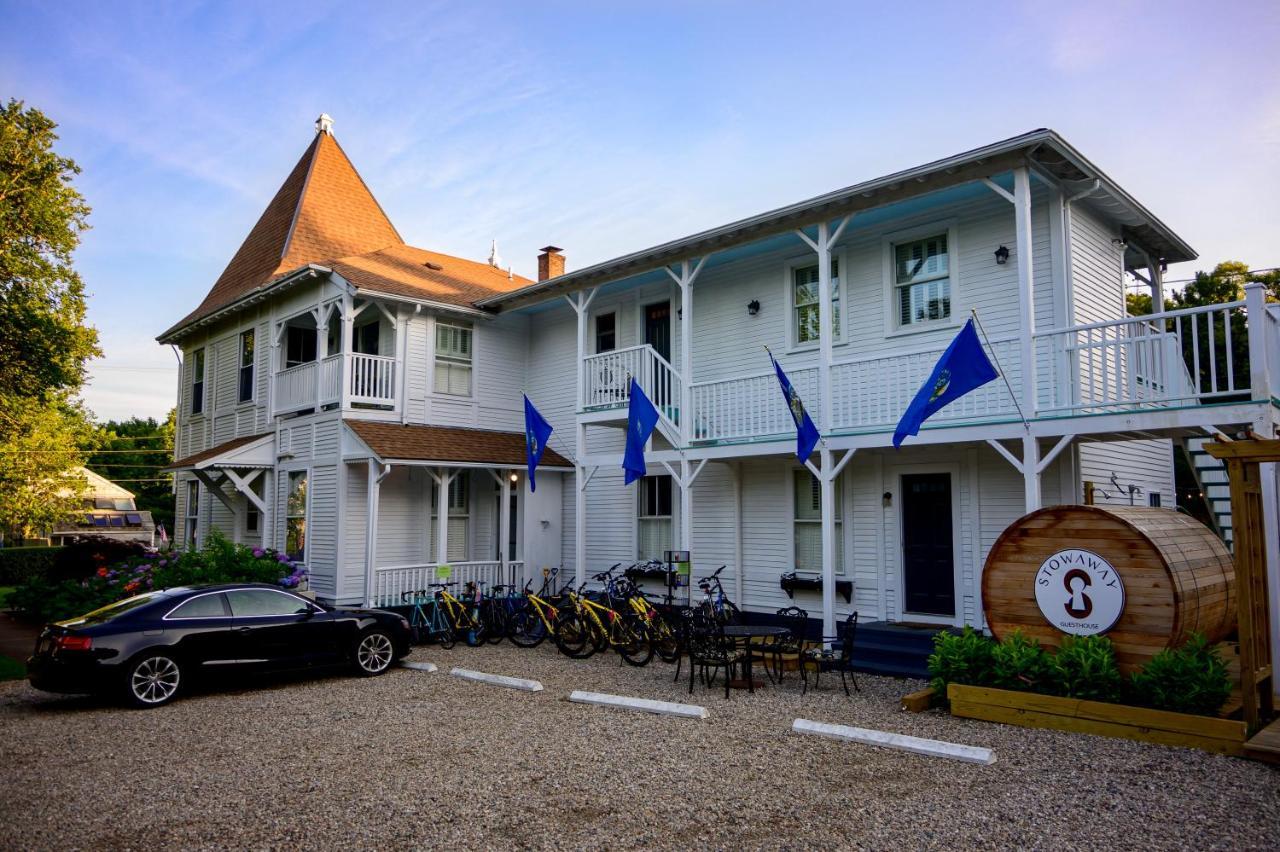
(152, 680)
(375, 652)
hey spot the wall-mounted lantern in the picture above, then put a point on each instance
(887, 499)
(1002, 255)
(753, 307)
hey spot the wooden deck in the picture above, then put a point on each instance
(1265, 745)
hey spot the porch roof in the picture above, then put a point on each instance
(245, 451)
(448, 444)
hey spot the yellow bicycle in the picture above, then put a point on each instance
(465, 619)
(586, 627)
(535, 620)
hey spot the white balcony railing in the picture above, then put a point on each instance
(392, 582)
(1184, 357)
(295, 387)
(373, 379)
(606, 380)
(749, 406)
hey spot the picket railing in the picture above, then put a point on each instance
(1183, 357)
(749, 406)
(393, 581)
(606, 380)
(373, 379)
(295, 388)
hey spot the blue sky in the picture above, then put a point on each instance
(608, 127)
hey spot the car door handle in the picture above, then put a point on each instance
(242, 629)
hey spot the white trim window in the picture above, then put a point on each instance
(808, 523)
(192, 513)
(453, 359)
(805, 307)
(197, 381)
(295, 516)
(459, 517)
(245, 390)
(606, 332)
(654, 517)
(921, 280)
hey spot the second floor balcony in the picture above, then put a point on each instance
(1190, 358)
(369, 380)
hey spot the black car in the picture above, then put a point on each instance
(146, 648)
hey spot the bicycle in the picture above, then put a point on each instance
(428, 626)
(464, 622)
(715, 603)
(589, 627)
(537, 619)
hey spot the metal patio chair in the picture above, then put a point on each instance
(823, 658)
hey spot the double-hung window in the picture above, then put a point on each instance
(653, 535)
(193, 513)
(246, 366)
(459, 517)
(922, 280)
(295, 523)
(806, 306)
(606, 332)
(197, 381)
(808, 524)
(453, 359)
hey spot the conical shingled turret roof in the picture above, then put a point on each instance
(323, 210)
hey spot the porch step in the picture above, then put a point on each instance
(897, 650)
(1211, 475)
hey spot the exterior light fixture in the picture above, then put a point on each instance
(514, 478)
(753, 307)
(1002, 255)
(887, 499)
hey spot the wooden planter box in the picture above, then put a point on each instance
(1224, 736)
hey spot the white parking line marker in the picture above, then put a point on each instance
(666, 708)
(419, 667)
(498, 680)
(902, 742)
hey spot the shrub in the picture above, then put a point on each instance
(1021, 663)
(960, 658)
(46, 599)
(19, 564)
(1085, 667)
(87, 554)
(1189, 679)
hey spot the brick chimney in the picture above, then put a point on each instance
(550, 263)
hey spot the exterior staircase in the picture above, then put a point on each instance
(896, 650)
(1211, 475)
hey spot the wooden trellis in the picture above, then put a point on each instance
(1257, 683)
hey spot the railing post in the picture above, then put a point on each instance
(1255, 305)
(348, 333)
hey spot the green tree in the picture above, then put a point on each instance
(44, 342)
(133, 453)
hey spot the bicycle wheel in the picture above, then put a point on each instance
(666, 644)
(444, 636)
(573, 638)
(525, 629)
(495, 629)
(632, 642)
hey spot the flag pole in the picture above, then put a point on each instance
(1000, 368)
(821, 439)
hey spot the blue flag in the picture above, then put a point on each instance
(641, 418)
(536, 432)
(962, 368)
(806, 432)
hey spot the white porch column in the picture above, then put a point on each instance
(581, 303)
(1255, 299)
(345, 347)
(1031, 472)
(825, 315)
(686, 517)
(371, 534)
(504, 523)
(443, 477)
(1157, 285)
(322, 336)
(827, 485)
(268, 509)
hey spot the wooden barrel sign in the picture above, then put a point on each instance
(1146, 578)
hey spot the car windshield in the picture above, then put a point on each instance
(110, 611)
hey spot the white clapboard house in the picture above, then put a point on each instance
(357, 401)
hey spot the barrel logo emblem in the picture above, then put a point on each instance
(1079, 592)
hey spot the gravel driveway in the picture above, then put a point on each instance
(417, 759)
